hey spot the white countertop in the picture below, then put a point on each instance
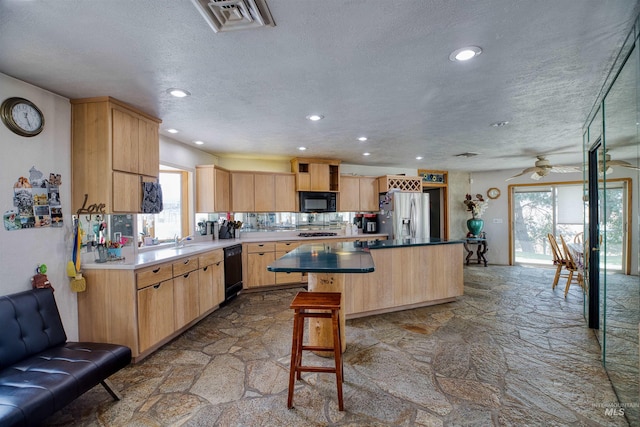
(200, 244)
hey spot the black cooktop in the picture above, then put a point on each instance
(317, 234)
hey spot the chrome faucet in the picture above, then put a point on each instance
(180, 242)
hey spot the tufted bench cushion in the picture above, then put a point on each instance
(40, 372)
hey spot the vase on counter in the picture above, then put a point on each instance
(475, 226)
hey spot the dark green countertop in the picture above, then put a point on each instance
(401, 243)
(325, 258)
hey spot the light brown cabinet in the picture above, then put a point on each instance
(316, 174)
(145, 308)
(210, 280)
(256, 257)
(155, 313)
(262, 192)
(286, 195)
(114, 148)
(358, 194)
(212, 189)
(283, 248)
(185, 291)
(242, 192)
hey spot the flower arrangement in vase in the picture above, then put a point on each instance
(476, 206)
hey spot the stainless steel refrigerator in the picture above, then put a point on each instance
(404, 215)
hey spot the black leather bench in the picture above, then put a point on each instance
(40, 372)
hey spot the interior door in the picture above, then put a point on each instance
(593, 250)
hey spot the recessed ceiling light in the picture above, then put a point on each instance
(315, 117)
(419, 158)
(178, 93)
(302, 148)
(172, 130)
(362, 139)
(198, 142)
(366, 154)
(465, 53)
(499, 124)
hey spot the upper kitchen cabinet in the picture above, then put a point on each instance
(262, 192)
(316, 174)
(114, 148)
(358, 194)
(212, 189)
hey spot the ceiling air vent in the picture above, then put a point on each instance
(228, 15)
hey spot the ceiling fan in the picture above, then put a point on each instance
(606, 160)
(543, 167)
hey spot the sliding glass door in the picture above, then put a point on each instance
(540, 210)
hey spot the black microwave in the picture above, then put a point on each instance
(315, 201)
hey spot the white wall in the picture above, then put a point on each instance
(22, 250)
(496, 217)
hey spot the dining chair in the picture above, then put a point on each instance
(578, 237)
(574, 270)
(558, 259)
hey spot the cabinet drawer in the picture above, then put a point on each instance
(152, 275)
(286, 246)
(185, 265)
(261, 247)
(210, 258)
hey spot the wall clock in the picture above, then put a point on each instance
(493, 193)
(22, 116)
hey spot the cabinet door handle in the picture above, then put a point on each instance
(205, 269)
(218, 262)
(157, 286)
(186, 275)
(260, 244)
(261, 254)
(186, 262)
(156, 270)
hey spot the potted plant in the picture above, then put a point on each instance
(476, 206)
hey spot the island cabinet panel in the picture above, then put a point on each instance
(155, 314)
(406, 277)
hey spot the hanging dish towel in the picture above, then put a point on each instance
(151, 197)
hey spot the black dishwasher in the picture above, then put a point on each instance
(232, 271)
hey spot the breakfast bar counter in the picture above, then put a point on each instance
(328, 265)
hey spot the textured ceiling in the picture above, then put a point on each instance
(371, 67)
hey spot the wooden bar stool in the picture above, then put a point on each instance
(302, 303)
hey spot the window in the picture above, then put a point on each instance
(174, 218)
(558, 209)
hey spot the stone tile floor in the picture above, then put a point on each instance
(510, 352)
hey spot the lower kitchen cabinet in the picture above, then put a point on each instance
(258, 257)
(146, 308)
(282, 248)
(155, 305)
(185, 298)
(210, 280)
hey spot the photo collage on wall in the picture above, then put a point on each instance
(36, 202)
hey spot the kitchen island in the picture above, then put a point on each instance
(405, 274)
(409, 273)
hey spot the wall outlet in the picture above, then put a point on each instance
(497, 220)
